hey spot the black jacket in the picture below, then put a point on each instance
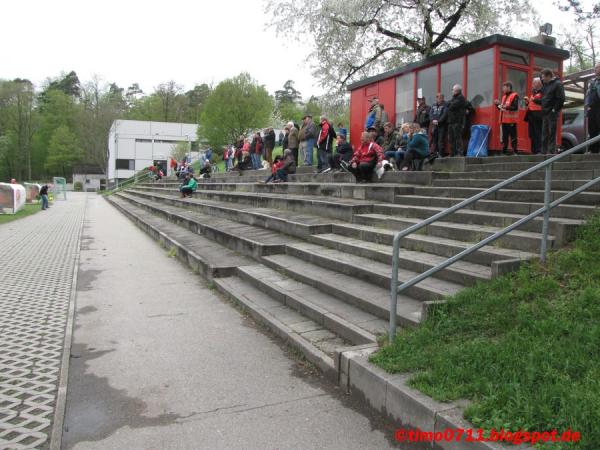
(44, 190)
(422, 117)
(456, 111)
(345, 150)
(553, 96)
(270, 140)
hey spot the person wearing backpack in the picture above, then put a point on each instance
(592, 109)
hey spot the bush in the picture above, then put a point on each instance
(78, 186)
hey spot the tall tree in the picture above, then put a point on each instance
(233, 108)
(356, 38)
(289, 94)
(582, 37)
(196, 99)
(168, 94)
(63, 152)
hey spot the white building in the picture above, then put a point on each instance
(136, 144)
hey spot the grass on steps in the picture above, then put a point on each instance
(524, 348)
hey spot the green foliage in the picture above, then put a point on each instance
(63, 151)
(180, 150)
(233, 108)
(78, 186)
(524, 348)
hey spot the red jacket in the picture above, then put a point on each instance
(276, 166)
(324, 131)
(366, 152)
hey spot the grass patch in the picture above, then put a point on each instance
(27, 210)
(524, 348)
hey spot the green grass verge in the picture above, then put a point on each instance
(524, 348)
(27, 210)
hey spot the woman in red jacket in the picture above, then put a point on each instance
(365, 159)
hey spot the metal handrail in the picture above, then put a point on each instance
(131, 180)
(548, 205)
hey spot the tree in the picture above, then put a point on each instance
(236, 106)
(101, 105)
(17, 124)
(196, 99)
(168, 94)
(180, 150)
(289, 94)
(63, 151)
(357, 38)
(581, 39)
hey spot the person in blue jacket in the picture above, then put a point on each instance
(417, 148)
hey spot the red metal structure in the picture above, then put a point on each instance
(480, 67)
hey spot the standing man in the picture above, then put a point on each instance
(454, 116)
(44, 196)
(375, 115)
(592, 109)
(438, 134)
(553, 99)
(325, 143)
(533, 116)
(269, 144)
(422, 115)
(308, 132)
(509, 116)
(292, 140)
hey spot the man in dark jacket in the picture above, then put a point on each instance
(269, 144)
(454, 117)
(343, 152)
(438, 134)
(44, 196)
(553, 99)
(422, 116)
(325, 143)
(307, 136)
(592, 108)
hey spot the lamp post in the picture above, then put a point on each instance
(116, 158)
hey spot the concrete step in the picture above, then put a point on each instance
(509, 195)
(584, 174)
(372, 272)
(203, 255)
(516, 240)
(368, 297)
(245, 239)
(530, 158)
(520, 166)
(537, 185)
(335, 208)
(385, 192)
(347, 321)
(564, 229)
(564, 211)
(312, 339)
(282, 221)
(462, 272)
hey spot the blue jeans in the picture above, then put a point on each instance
(310, 145)
(44, 201)
(255, 161)
(398, 156)
(323, 159)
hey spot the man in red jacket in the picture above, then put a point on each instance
(365, 159)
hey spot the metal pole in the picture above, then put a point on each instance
(546, 224)
(394, 288)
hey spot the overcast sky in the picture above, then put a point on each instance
(154, 41)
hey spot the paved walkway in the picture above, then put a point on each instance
(159, 361)
(37, 258)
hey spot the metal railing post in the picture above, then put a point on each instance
(394, 288)
(547, 200)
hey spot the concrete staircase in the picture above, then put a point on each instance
(311, 259)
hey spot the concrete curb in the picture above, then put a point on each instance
(61, 397)
(390, 395)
